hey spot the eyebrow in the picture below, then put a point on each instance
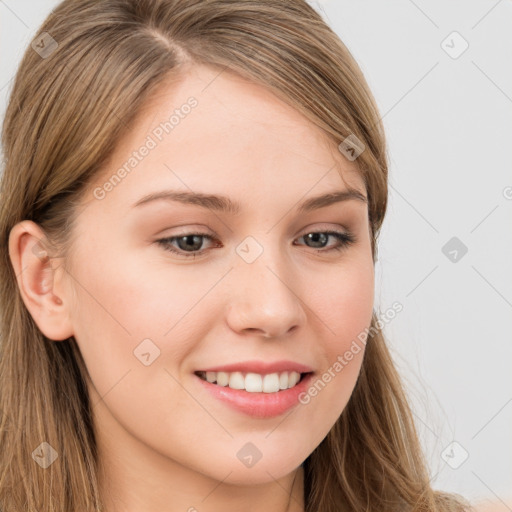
(225, 204)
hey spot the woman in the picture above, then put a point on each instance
(179, 174)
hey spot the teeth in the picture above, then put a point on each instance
(283, 381)
(253, 382)
(222, 378)
(293, 379)
(271, 383)
(236, 381)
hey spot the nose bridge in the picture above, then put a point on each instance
(264, 297)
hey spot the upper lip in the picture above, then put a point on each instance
(260, 367)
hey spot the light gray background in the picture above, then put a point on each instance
(449, 128)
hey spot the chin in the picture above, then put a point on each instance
(260, 473)
(273, 465)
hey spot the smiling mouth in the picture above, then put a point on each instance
(254, 382)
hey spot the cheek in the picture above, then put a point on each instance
(126, 309)
(344, 306)
(133, 297)
(343, 302)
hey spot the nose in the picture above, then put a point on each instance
(264, 297)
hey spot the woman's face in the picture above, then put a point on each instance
(252, 291)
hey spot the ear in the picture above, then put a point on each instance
(40, 287)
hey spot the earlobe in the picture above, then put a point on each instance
(38, 282)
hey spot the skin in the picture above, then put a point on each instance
(164, 442)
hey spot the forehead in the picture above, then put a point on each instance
(237, 134)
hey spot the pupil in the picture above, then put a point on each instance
(314, 237)
(189, 242)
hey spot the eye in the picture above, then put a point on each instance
(319, 237)
(191, 242)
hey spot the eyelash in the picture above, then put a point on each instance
(344, 239)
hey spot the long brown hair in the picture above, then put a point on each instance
(76, 92)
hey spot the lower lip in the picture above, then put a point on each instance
(259, 405)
